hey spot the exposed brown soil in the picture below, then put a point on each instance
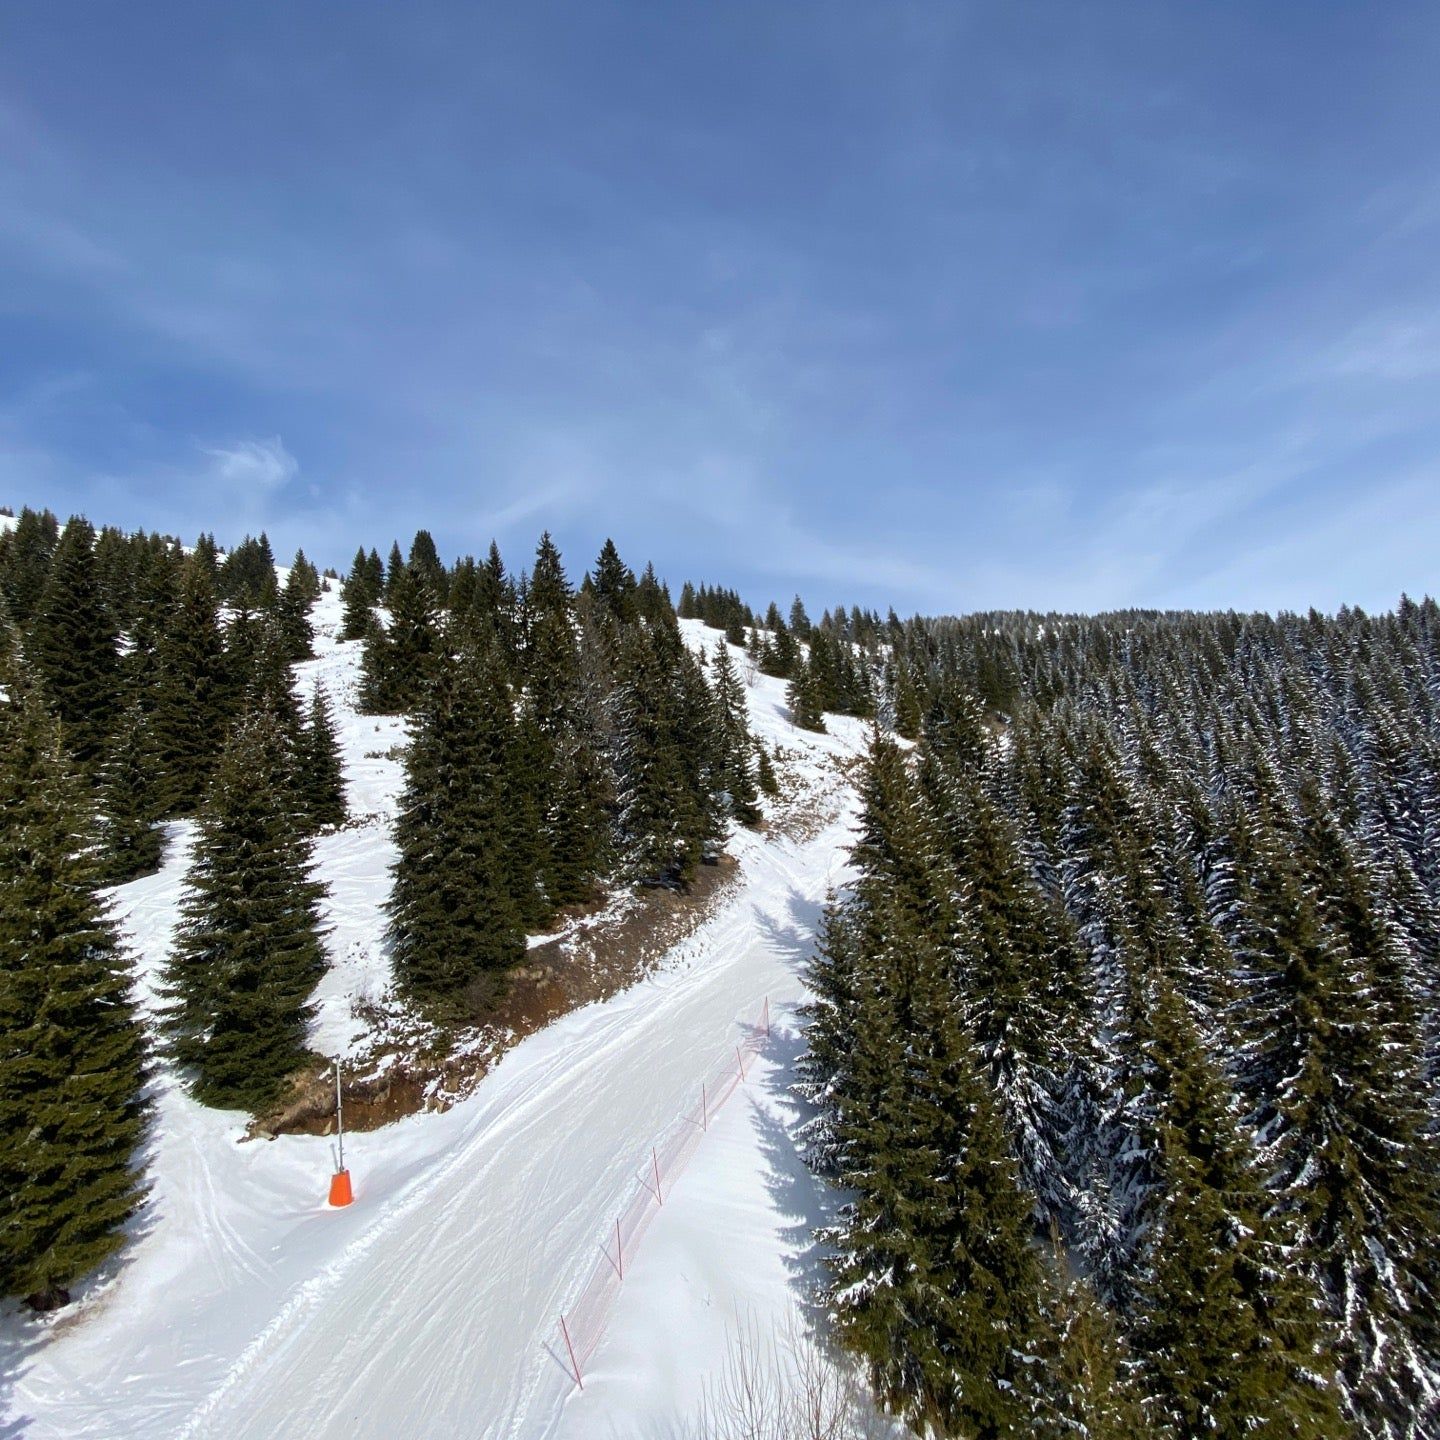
(599, 953)
(596, 953)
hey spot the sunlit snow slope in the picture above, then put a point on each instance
(247, 1308)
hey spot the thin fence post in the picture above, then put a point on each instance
(574, 1367)
(654, 1160)
(740, 1061)
(619, 1253)
(704, 1108)
(767, 1017)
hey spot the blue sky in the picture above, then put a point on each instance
(941, 306)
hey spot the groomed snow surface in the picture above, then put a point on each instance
(244, 1307)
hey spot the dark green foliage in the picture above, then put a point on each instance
(247, 952)
(614, 584)
(362, 592)
(401, 658)
(72, 645)
(665, 758)
(25, 556)
(935, 1283)
(247, 576)
(190, 697)
(132, 842)
(301, 591)
(425, 562)
(734, 746)
(71, 1052)
(802, 695)
(1228, 1331)
(319, 774)
(453, 915)
(765, 771)
(1195, 942)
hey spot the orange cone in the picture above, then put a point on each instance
(340, 1188)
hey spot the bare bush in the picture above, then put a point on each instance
(785, 1386)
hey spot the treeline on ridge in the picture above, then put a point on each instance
(1127, 1036)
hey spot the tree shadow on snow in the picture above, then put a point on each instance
(806, 1200)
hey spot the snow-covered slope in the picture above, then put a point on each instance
(248, 1308)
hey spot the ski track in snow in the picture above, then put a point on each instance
(245, 1307)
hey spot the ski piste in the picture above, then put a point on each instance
(246, 1307)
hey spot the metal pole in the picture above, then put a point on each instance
(564, 1330)
(654, 1160)
(619, 1253)
(339, 1116)
(704, 1108)
(740, 1061)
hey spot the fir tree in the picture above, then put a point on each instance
(248, 949)
(1228, 1332)
(319, 773)
(190, 696)
(72, 1054)
(734, 744)
(72, 645)
(132, 843)
(802, 695)
(454, 923)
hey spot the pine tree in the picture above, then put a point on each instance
(131, 841)
(26, 553)
(734, 744)
(191, 695)
(301, 591)
(765, 771)
(400, 659)
(454, 923)
(248, 949)
(72, 645)
(320, 775)
(1228, 1332)
(360, 593)
(802, 695)
(72, 1054)
(614, 583)
(1089, 1387)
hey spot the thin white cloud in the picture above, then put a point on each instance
(253, 467)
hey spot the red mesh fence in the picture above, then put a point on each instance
(583, 1323)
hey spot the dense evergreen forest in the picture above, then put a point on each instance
(564, 741)
(1126, 1040)
(1125, 1044)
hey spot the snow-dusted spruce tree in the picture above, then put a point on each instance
(664, 757)
(803, 697)
(302, 590)
(131, 841)
(935, 1284)
(1337, 1082)
(72, 645)
(454, 918)
(400, 658)
(1226, 1325)
(319, 772)
(361, 593)
(1015, 977)
(733, 740)
(247, 952)
(71, 1051)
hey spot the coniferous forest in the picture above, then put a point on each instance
(564, 742)
(1124, 1046)
(1125, 1041)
